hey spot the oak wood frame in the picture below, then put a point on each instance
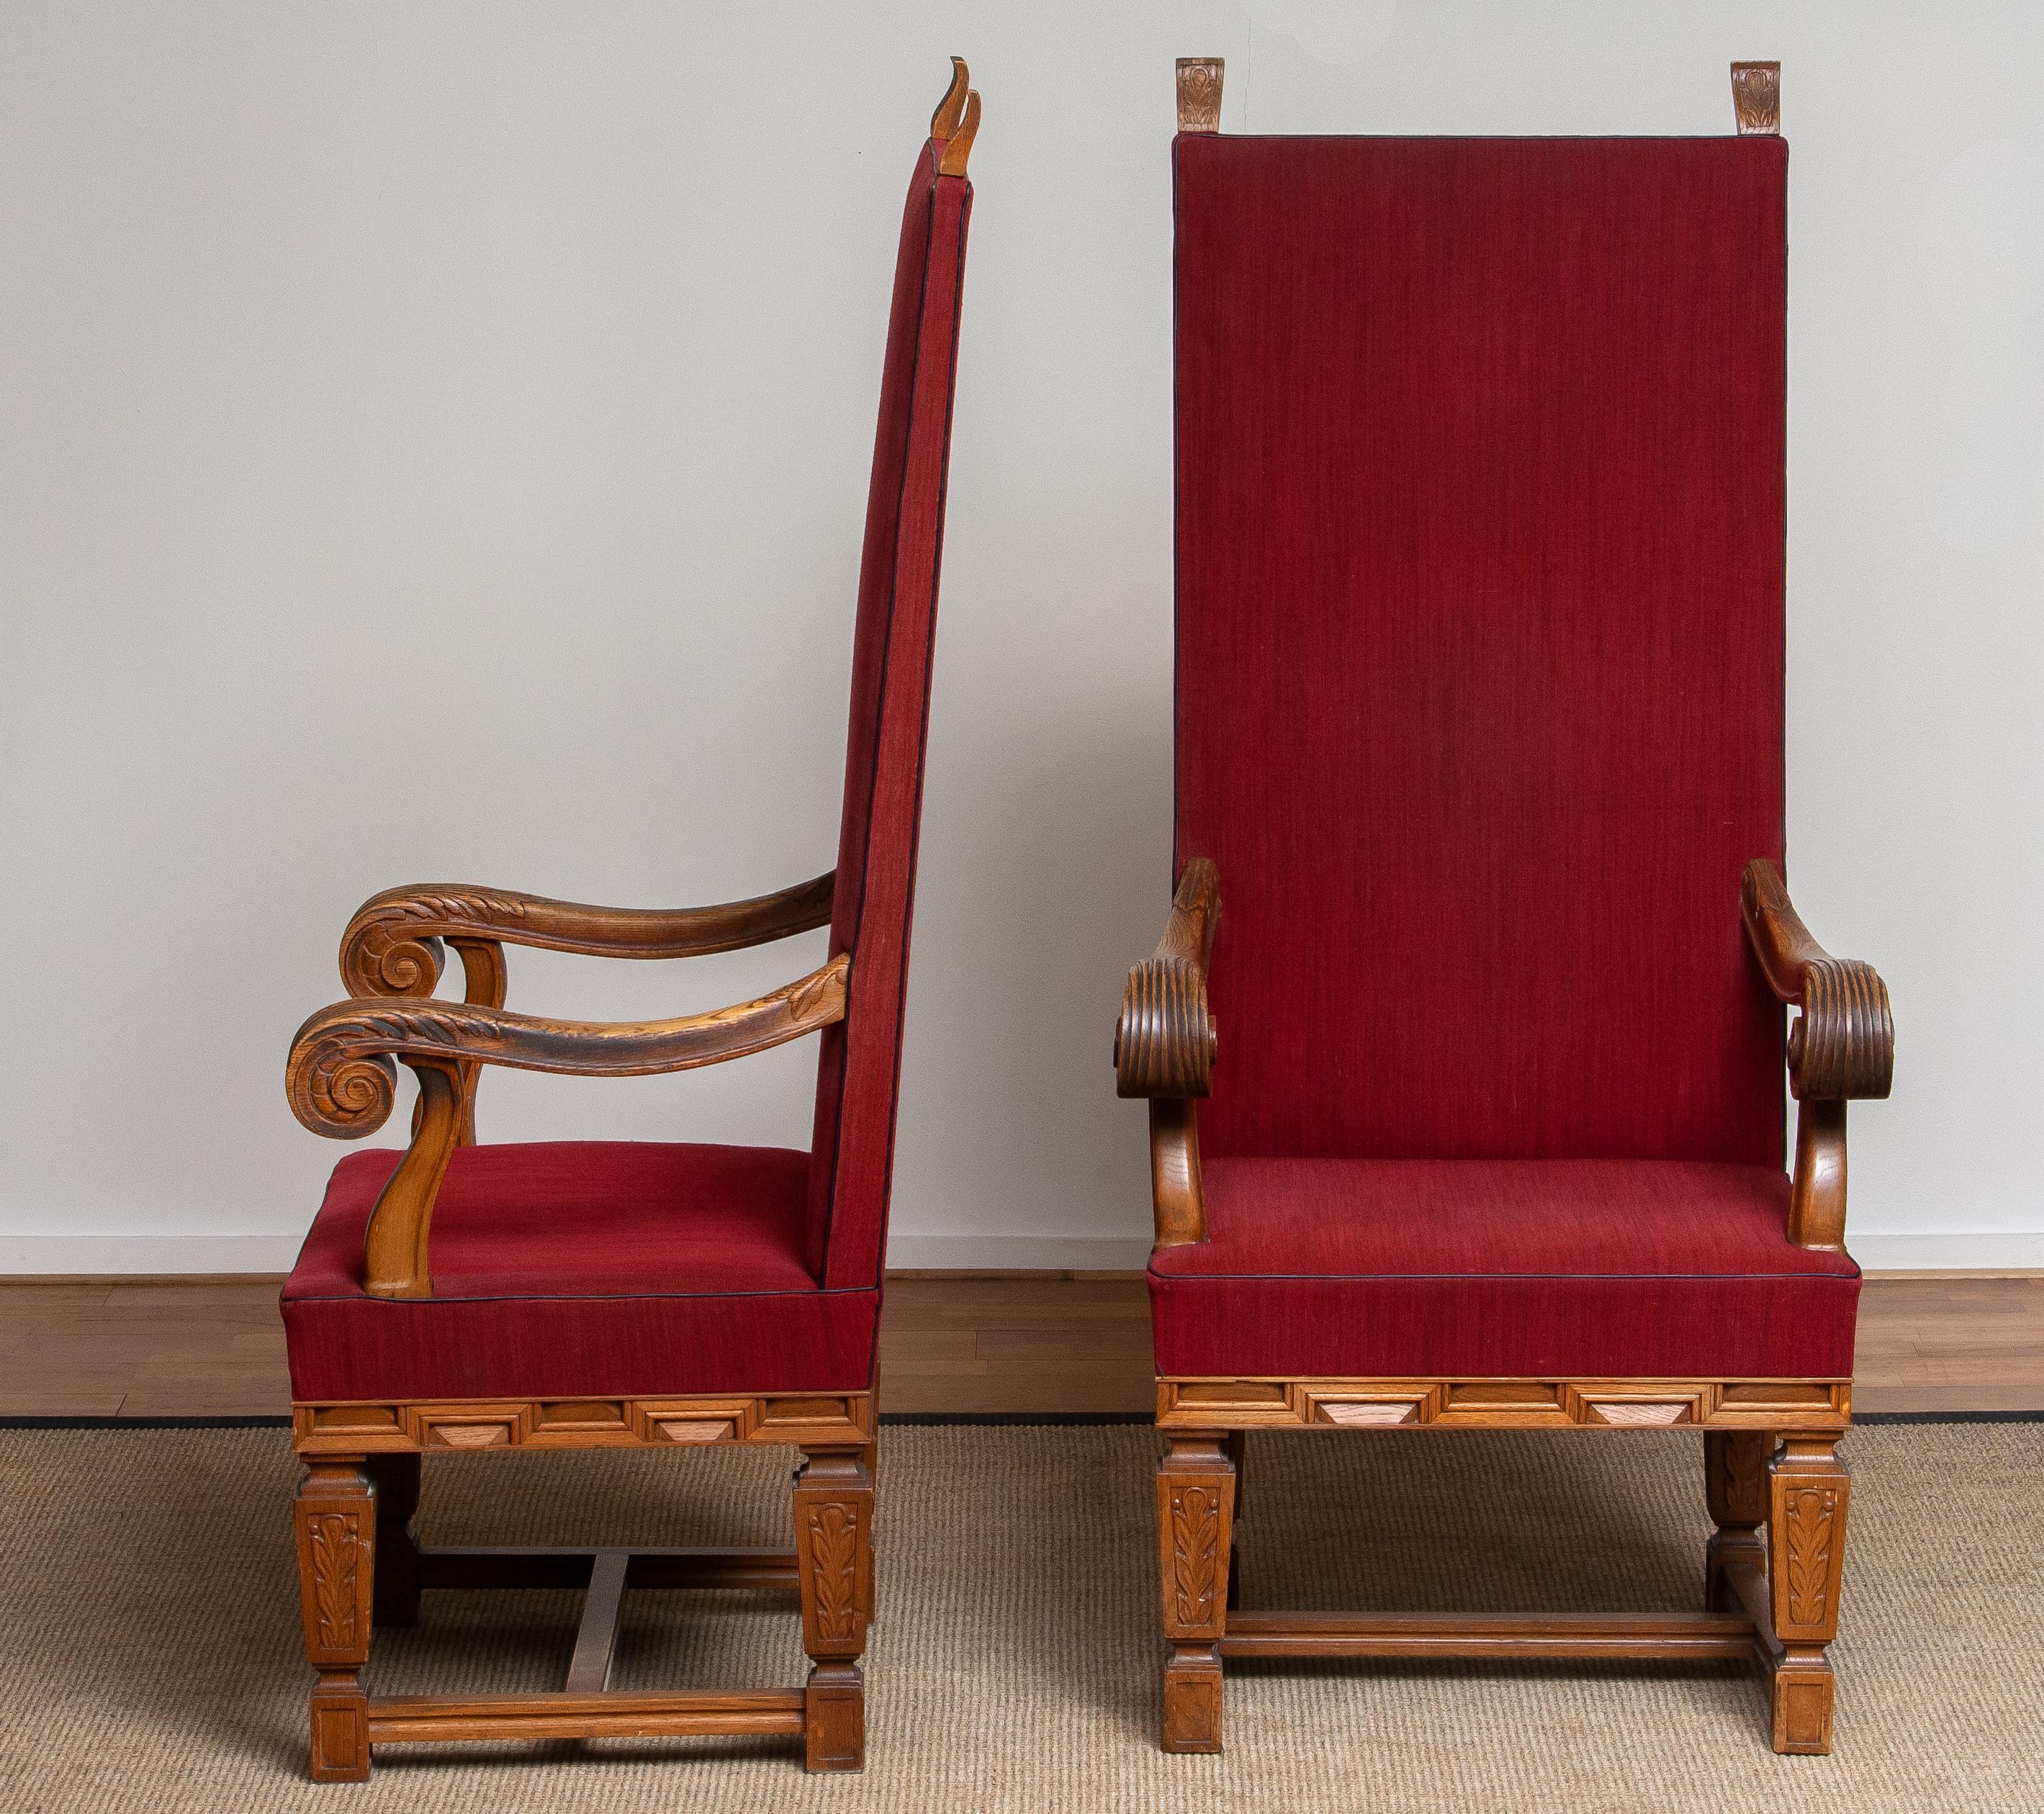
(1774, 1599)
(360, 1564)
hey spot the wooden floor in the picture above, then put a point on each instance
(1011, 1342)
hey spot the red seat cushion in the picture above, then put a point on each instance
(1582, 1269)
(575, 1269)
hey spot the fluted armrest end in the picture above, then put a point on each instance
(1842, 1046)
(1165, 1040)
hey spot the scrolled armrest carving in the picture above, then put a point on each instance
(393, 945)
(1842, 1046)
(1164, 1049)
(1164, 1042)
(339, 1091)
(340, 1083)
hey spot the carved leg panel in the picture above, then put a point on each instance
(1809, 1493)
(834, 1555)
(1195, 1518)
(335, 1516)
(1735, 1487)
(397, 1479)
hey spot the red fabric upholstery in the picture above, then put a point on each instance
(1556, 1269)
(894, 643)
(578, 1269)
(1480, 556)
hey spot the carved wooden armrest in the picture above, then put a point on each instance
(1842, 1044)
(1164, 1047)
(1841, 1047)
(392, 945)
(342, 1082)
(1164, 1042)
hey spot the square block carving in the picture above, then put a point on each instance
(697, 1429)
(1636, 1404)
(1533, 1404)
(350, 1430)
(582, 1423)
(692, 1420)
(845, 1418)
(1389, 1408)
(472, 1425)
(1230, 1404)
(1817, 1404)
(381, 1419)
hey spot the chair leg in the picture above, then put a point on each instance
(1808, 1492)
(335, 1518)
(1735, 1488)
(397, 1479)
(870, 1453)
(1238, 1444)
(834, 1557)
(1195, 1519)
(870, 1456)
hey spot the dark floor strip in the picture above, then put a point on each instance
(144, 1423)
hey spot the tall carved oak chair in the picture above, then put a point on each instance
(466, 1297)
(1479, 729)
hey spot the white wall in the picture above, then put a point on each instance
(433, 445)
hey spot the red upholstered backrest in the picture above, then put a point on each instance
(1480, 551)
(860, 1063)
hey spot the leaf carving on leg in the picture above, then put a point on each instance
(1808, 1525)
(834, 1568)
(335, 1537)
(1195, 1533)
(1738, 1488)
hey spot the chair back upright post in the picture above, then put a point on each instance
(859, 1063)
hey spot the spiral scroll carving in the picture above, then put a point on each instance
(1843, 1046)
(341, 1093)
(386, 951)
(340, 1082)
(1164, 1043)
(340, 1085)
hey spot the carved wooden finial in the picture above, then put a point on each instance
(958, 148)
(951, 109)
(1199, 93)
(1756, 97)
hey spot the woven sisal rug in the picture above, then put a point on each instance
(149, 1643)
